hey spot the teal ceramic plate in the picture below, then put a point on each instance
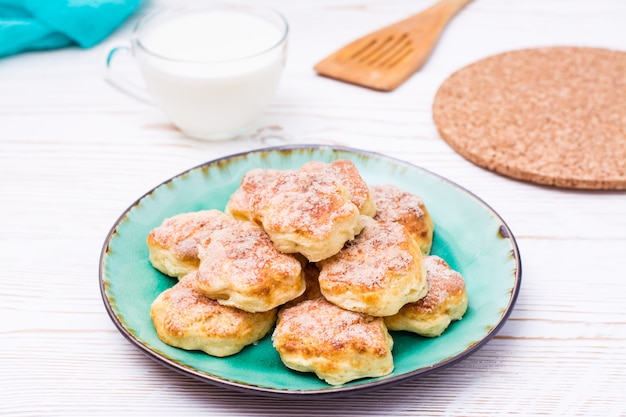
(469, 235)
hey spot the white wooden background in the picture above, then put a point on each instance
(74, 153)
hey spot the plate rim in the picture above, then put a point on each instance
(331, 391)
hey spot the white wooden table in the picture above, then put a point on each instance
(74, 153)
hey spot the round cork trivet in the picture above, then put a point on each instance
(553, 116)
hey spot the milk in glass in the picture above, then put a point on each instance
(213, 72)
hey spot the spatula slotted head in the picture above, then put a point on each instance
(378, 62)
(386, 58)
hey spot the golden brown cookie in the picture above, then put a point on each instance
(173, 246)
(408, 209)
(376, 273)
(337, 345)
(308, 213)
(240, 267)
(243, 203)
(186, 319)
(445, 302)
(347, 174)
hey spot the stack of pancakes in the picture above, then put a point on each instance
(330, 263)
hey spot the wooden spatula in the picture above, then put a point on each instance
(386, 58)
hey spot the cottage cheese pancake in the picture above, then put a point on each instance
(396, 205)
(173, 246)
(245, 202)
(377, 273)
(308, 213)
(347, 174)
(337, 345)
(186, 319)
(240, 267)
(445, 302)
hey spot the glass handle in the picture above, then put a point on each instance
(121, 83)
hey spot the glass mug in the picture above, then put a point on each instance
(212, 69)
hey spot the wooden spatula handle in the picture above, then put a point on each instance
(425, 27)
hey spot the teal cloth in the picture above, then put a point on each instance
(31, 25)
